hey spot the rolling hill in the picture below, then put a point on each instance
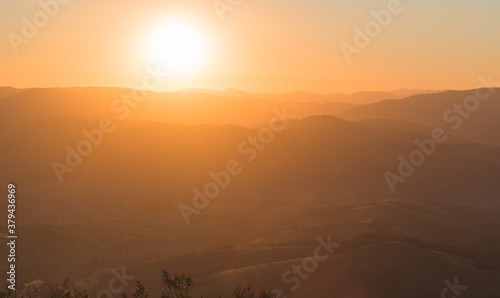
(446, 110)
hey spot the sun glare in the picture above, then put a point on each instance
(177, 45)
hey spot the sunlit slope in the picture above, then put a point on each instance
(316, 159)
(418, 244)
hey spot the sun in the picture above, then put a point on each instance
(177, 45)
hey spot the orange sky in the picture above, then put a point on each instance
(268, 46)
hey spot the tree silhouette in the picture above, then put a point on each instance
(140, 291)
(242, 292)
(176, 287)
(267, 294)
(6, 293)
(62, 291)
(83, 294)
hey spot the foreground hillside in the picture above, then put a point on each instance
(383, 248)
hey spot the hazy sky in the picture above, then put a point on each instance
(272, 46)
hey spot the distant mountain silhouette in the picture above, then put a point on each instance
(9, 91)
(482, 126)
(358, 98)
(172, 107)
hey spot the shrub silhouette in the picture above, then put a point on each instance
(242, 292)
(176, 287)
(6, 293)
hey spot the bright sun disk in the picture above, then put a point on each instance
(177, 45)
